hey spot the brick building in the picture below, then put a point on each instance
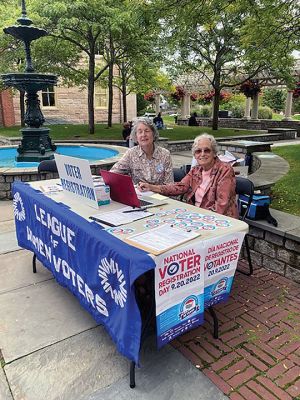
(62, 104)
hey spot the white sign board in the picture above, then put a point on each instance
(76, 178)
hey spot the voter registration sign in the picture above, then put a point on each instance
(76, 178)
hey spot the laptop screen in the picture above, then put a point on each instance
(121, 188)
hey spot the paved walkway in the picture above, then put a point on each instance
(51, 348)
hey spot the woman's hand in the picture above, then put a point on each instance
(145, 187)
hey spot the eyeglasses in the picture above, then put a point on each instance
(205, 151)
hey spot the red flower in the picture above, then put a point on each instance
(194, 96)
(296, 91)
(250, 88)
(179, 93)
(149, 96)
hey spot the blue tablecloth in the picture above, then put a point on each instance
(96, 267)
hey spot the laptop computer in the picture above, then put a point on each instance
(122, 190)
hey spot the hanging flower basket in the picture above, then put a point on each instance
(296, 91)
(149, 96)
(250, 88)
(194, 97)
(178, 94)
(208, 97)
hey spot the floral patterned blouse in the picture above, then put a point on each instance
(157, 171)
(219, 195)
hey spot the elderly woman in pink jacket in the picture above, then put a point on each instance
(210, 184)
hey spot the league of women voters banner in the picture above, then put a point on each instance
(191, 278)
(96, 267)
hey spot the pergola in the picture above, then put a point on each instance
(198, 82)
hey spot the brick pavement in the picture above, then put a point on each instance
(257, 355)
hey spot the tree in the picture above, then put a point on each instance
(230, 42)
(86, 26)
(274, 98)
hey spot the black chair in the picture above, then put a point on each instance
(47, 166)
(178, 174)
(44, 166)
(245, 186)
(181, 172)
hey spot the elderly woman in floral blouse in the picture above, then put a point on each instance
(146, 162)
(210, 184)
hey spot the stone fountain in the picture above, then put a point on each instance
(36, 144)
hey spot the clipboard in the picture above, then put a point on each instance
(160, 239)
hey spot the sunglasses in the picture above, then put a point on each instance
(205, 151)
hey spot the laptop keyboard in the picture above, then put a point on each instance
(145, 203)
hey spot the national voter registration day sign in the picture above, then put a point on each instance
(96, 267)
(179, 292)
(191, 279)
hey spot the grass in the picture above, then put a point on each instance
(174, 132)
(285, 193)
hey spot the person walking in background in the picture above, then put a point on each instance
(147, 161)
(126, 132)
(210, 184)
(158, 121)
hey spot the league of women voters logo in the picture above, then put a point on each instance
(19, 210)
(113, 281)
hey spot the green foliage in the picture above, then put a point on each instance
(141, 104)
(236, 105)
(274, 98)
(296, 104)
(285, 193)
(265, 113)
(205, 111)
(237, 110)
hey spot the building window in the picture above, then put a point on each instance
(48, 97)
(100, 96)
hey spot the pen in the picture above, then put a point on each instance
(135, 210)
(101, 222)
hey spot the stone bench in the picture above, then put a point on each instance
(244, 147)
(288, 133)
(266, 169)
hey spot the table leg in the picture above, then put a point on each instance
(34, 264)
(132, 375)
(216, 322)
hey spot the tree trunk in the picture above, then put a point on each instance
(91, 91)
(124, 102)
(110, 80)
(215, 121)
(22, 107)
(216, 86)
(110, 94)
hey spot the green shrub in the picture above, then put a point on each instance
(205, 111)
(238, 110)
(265, 113)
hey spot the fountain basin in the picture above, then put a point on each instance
(25, 80)
(10, 174)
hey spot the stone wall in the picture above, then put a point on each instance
(264, 124)
(277, 248)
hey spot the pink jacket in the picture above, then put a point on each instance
(219, 195)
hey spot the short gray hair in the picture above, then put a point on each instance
(213, 142)
(146, 121)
